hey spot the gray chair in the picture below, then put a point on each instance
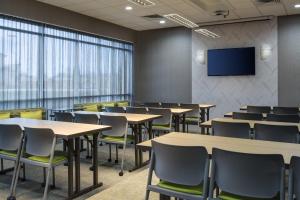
(246, 176)
(39, 150)
(289, 134)
(153, 104)
(116, 136)
(163, 124)
(294, 179)
(115, 109)
(184, 176)
(170, 105)
(63, 116)
(136, 110)
(258, 109)
(231, 129)
(193, 117)
(247, 116)
(87, 119)
(11, 141)
(294, 118)
(285, 110)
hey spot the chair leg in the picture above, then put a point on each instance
(2, 165)
(109, 147)
(44, 177)
(24, 173)
(47, 183)
(147, 194)
(53, 178)
(87, 149)
(117, 154)
(122, 162)
(15, 180)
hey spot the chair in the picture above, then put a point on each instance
(276, 133)
(285, 110)
(63, 116)
(116, 136)
(294, 179)
(115, 109)
(163, 124)
(87, 119)
(294, 118)
(258, 109)
(184, 176)
(170, 105)
(152, 104)
(231, 129)
(247, 116)
(136, 110)
(40, 151)
(246, 176)
(193, 117)
(11, 140)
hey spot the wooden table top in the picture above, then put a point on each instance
(131, 118)
(207, 124)
(61, 129)
(245, 108)
(287, 150)
(180, 111)
(206, 106)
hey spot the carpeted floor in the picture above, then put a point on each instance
(108, 174)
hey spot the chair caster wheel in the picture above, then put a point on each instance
(11, 198)
(109, 160)
(121, 173)
(116, 161)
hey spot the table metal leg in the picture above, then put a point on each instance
(183, 123)
(177, 123)
(164, 197)
(70, 167)
(202, 117)
(150, 134)
(95, 159)
(77, 164)
(140, 139)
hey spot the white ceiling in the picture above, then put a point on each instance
(114, 10)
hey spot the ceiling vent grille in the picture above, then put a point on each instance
(153, 17)
(268, 1)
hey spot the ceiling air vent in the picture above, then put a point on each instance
(268, 1)
(153, 17)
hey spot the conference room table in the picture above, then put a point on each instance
(230, 114)
(287, 150)
(136, 121)
(179, 113)
(245, 108)
(71, 132)
(208, 124)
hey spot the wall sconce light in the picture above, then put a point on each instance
(265, 51)
(200, 56)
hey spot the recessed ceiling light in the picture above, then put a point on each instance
(207, 33)
(128, 8)
(297, 5)
(143, 3)
(181, 20)
(162, 21)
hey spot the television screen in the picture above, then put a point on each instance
(231, 62)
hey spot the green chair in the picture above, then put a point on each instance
(4, 115)
(193, 117)
(39, 150)
(36, 114)
(163, 124)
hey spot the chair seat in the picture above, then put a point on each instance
(111, 139)
(9, 153)
(163, 127)
(194, 190)
(58, 157)
(192, 119)
(229, 196)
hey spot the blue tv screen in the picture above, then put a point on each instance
(231, 62)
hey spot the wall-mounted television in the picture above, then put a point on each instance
(231, 62)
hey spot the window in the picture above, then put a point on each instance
(46, 66)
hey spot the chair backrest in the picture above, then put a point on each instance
(294, 118)
(86, 118)
(247, 116)
(164, 112)
(10, 137)
(194, 113)
(250, 175)
(115, 109)
(285, 110)
(294, 183)
(152, 104)
(276, 133)
(188, 167)
(259, 109)
(64, 116)
(39, 141)
(118, 123)
(170, 105)
(231, 129)
(136, 110)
